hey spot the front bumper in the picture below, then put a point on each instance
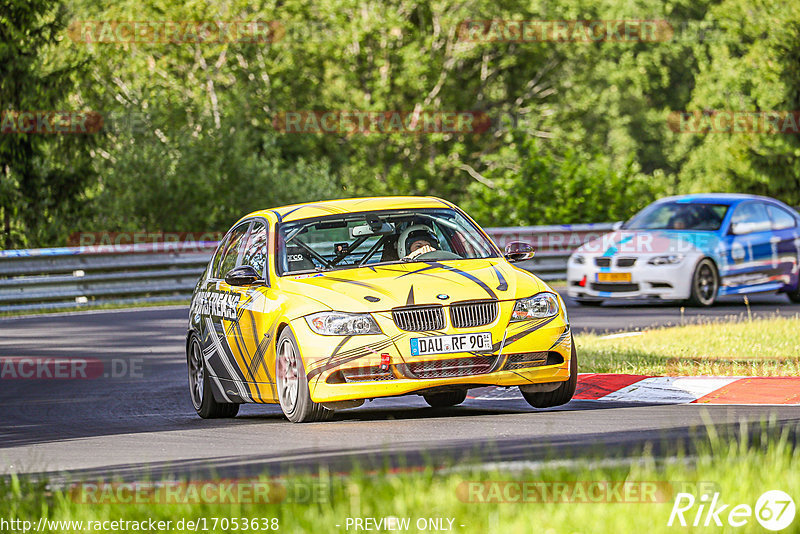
(340, 369)
(668, 282)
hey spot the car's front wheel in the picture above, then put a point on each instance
(200, 386)
(293, 393)
(705, 284)
(446, 399)
(794, 296)
(562, 394)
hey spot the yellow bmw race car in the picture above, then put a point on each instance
(321, 306)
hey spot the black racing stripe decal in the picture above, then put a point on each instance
(338, 348)
(349, 356)
(223, 344)
(561, 338)
(373, 287)
(410, 298)
(278, 215)
(520, 335)
(417, 271)
(467, 275)
(422, 272)
(366, 349)
(242, 348)
(327, 209)
(502, 284)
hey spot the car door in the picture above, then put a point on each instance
(752, 260)
(786, 243)
(218, 308)
(250, 336)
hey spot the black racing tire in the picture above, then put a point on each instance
(794, 296)
(705, 284)
(561, 395)
(589, 302)
(445, 399)
(200, 386)
(293, 393)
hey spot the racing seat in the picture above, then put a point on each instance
(298, 260)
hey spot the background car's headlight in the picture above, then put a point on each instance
(578, 259)
(669, 259)
(535, 307)
(342, 324)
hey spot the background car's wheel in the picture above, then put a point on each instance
(794, 296)
(292, 383)
(445, 399)
(561, 395)
(705, 284)
(200, 386)
(589, 302)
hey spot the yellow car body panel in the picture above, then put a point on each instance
(239, 326)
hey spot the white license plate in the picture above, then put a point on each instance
(479, 342)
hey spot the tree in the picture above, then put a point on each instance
(44, 176)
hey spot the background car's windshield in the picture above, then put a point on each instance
(679, 216)
(365, 239)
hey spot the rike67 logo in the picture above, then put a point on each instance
(774, 510)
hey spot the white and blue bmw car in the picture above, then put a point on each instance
(694, 248)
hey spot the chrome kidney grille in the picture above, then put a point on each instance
(471, 314)
(419, 318)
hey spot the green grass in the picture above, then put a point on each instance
(760, 347)
(739, 469)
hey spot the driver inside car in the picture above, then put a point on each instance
(418, 240)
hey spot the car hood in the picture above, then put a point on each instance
(651, 242)
(381, 288)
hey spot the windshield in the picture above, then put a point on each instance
(371, 238)
(679, 216)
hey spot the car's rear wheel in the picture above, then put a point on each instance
(293, 393)
(200, 386)
(445, 399)
(562, 394)
(705, 284)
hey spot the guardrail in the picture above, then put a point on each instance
(93, 276)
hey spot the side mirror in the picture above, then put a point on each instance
(618, 225)
(243, 275)
(518, 251)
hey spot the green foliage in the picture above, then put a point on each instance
(578, 132)
(43, 177)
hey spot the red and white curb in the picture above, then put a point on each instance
(778, 390)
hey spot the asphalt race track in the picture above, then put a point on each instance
(141, 421)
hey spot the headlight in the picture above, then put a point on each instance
(535, 307)
(578, 259)
(342, 324)
(666, 260)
